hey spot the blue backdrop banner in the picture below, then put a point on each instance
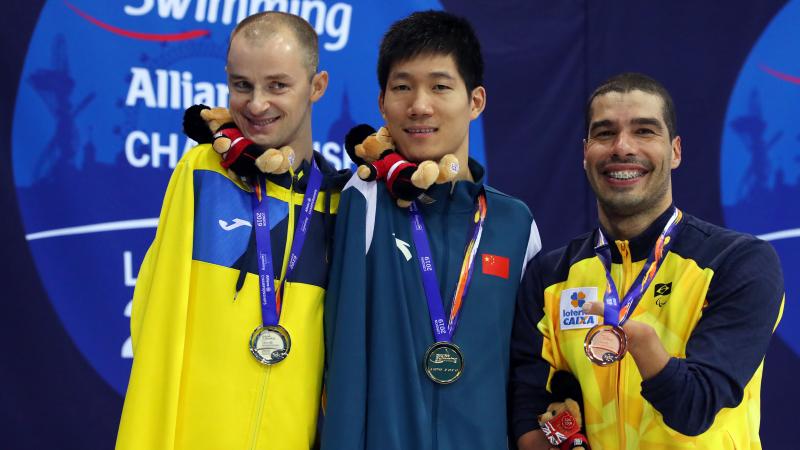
(94, 93)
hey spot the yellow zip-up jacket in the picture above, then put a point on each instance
(194, 383)
(714, 305)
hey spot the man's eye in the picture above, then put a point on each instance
(605, 134)
(441, 87)
(241, 85)
(645, 131)
(277, 85)
(401, 87)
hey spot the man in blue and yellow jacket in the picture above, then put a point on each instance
(194, 383)
(703, 301)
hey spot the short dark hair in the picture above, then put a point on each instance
(432, 33)
(631, 81)
(265, 24)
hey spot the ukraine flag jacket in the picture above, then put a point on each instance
(378, 328)
(194, 383)
(714, 305)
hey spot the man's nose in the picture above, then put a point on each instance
(420, 105)
(259, 103)
(624, 144)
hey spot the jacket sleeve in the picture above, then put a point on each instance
(745, 301)
(345, 328)
(530, 369)
(158, 323)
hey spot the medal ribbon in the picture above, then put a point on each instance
(442, 332)
(270, 297)
(616, 313)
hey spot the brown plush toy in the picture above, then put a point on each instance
(562, 423)
(240, 155)
(374, 153)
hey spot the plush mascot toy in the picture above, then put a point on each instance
(374, 153)
(240, 155)
(562, 422)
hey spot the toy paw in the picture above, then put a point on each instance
(276, 161)
(221, 145)
(448, 169)
(366, 172)
(426, 174)
(403, 203)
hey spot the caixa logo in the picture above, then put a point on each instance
(91, 173)
(761, 152)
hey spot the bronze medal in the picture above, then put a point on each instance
(605, 344)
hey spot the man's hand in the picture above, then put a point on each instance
(643, 343)
(534, 440)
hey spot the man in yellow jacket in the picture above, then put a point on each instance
(703, 301)
(227, 311)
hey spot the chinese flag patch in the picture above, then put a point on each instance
(495, 265)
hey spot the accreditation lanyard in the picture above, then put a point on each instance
(442, 332)
(616, 313)
(270, 298)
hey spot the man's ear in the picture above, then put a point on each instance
(676, 152)
(477, 100)
(380, 105)
(319, 84)
(585, 149)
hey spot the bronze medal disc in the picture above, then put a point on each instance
(605, 344)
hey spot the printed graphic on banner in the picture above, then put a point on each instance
(761, 153)
(95, 138)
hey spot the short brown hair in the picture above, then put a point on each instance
(268, 23)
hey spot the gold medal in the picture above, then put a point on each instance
(443, 362)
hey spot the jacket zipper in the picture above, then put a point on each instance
(262, 395)
(259, 410)
(622, 287)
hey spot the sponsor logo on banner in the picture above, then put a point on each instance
(95, 138)
(571, 316)
(760, 154)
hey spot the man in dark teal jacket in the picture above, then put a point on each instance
(421, 300)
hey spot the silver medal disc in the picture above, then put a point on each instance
(270, 344)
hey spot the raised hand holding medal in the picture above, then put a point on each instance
(270, 342)
(607, 343)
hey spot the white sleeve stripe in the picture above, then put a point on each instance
(393, 168)
(370, 192)
(534, 245)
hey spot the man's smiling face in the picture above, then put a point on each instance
(628, 155)
(427, 108)
(272, 89)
